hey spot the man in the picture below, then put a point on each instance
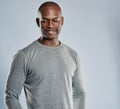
(48, 70)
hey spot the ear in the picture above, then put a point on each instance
(62, 20)
(38, 22)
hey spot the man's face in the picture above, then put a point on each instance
(51, 22)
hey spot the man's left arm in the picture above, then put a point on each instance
(78, 91)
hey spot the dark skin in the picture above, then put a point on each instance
(50, 22)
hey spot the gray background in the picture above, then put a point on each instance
(92, 28)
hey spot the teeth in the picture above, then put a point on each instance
(50, 32)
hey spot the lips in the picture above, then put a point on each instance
(50, 32)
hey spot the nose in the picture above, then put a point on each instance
(50, 23)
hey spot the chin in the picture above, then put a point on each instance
(50, 37)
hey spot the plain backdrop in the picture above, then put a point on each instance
(91, 27)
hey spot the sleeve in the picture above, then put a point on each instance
(78, 91)
(15, 82)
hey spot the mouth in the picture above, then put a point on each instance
(50, 31)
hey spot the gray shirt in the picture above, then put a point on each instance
(50, 76)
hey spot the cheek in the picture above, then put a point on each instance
(55, 26)
(59, 26)
(43, 28)
(43, 25)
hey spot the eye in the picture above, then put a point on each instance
(44, 20)
(56, 20)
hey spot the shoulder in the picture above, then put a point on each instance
(26, 51)
(70, 50)
(30, 47)
(72, 53)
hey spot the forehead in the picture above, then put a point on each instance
(50, 11)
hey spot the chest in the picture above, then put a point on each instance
(51, 65)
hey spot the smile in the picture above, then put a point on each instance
(50, 31)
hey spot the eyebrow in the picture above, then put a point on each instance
(50, 18)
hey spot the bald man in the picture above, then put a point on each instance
(48, 69)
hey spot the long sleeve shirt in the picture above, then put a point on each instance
(50, 76)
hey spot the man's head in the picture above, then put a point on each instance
(50, 20)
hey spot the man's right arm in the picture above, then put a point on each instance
(15, 82)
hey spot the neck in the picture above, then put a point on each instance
(49, 42)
